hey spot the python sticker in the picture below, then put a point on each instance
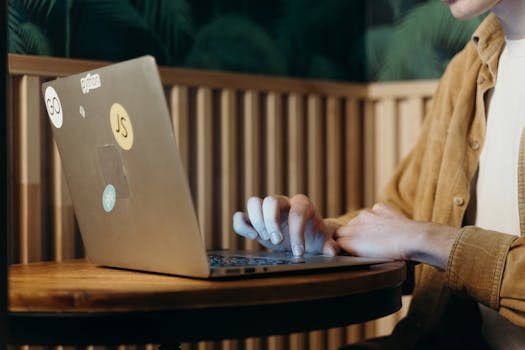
(54, 107)
(109, 198)
(121, 126)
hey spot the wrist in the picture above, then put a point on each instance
(432, 244)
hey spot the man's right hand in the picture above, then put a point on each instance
(285, 224)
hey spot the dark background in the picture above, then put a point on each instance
(348, 40)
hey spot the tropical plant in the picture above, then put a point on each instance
(25, 35)
(332, 39)
(236, 44)
(422, 43)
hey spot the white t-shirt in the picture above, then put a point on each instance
(497, 187)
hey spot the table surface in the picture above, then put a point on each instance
(78, 286)
(76, 291)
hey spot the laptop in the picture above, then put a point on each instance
(129, 190)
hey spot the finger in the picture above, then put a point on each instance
(331, 248)
(255, 214)
(241, 226)
(301, 209)
(272, 207)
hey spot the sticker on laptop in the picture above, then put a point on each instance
(121, 126)
(82, 111)
(109, 198)
(54, 107)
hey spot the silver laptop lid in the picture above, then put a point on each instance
(122, 165)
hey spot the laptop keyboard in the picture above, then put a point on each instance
(230, 261)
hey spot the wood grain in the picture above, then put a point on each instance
(78, 286)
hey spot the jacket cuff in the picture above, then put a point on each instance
(333, 224)
(476, 264)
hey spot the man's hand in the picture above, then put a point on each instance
(383, 232)
(283, 224)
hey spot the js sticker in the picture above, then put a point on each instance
(121, 126)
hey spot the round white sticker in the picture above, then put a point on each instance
(54, 108)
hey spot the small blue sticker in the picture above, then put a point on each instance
(109, 198)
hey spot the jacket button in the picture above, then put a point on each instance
(459, 201)
(474, 145)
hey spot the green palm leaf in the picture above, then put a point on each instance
(423, 43)
(308, 27)
(172, 22)
(35, 42)
(40, 10)
(25, 37)
(112, 30)
(236, 43)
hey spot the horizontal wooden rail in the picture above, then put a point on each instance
(56, 67)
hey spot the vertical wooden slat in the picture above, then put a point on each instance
(274, 144)
(204, 127)
(228, 178)
(353, 155)
(274, 163)
(274, 173)
(230, 344)
(206, 345)
(386, 143)
(315, 167)
(317, 340)
(64, 238)
(295, 145)
(254, 344)
(354, 333)
(334, 198)
(296, 174)
(334, 151)
(386, 152)
(276, 342)
(315, 182)
(252, 151)
(335, 338)
(410, 119)
(30, 184)
(369, 179)
(229, 163)
(252, 170)
(297, 341)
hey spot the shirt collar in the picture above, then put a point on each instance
(489, 41)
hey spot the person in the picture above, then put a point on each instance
(456, 203)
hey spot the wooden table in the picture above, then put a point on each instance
(75, 303)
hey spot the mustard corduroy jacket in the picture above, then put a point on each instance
(433, 183)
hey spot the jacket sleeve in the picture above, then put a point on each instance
(490, 266)
(400, 191)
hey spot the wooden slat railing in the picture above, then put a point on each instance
(239, 135)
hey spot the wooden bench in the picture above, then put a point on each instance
(239, 135)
